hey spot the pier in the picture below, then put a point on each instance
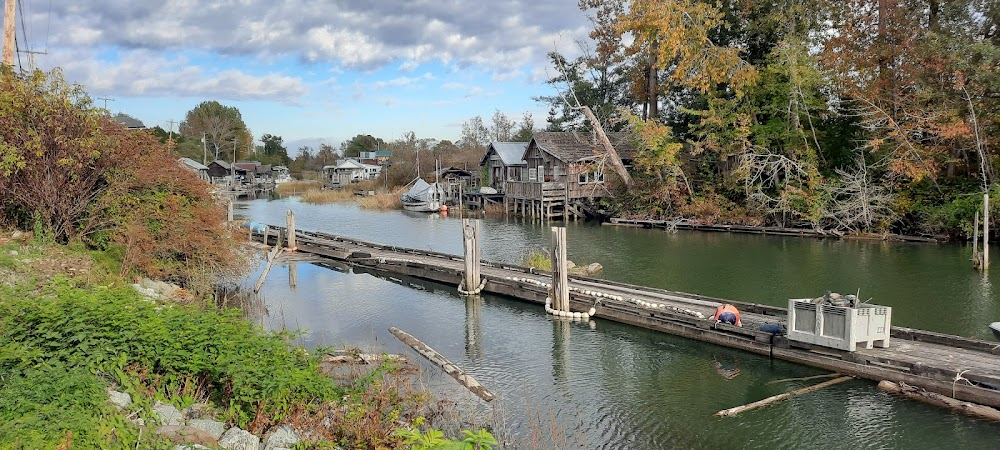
(962, 368)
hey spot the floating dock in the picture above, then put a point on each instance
(962, 368)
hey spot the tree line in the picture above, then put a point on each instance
(856, 115)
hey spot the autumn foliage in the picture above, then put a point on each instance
(71, 173)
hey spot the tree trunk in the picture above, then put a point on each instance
(651, 85)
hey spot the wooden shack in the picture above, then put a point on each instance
(563, 174)
(503, 161)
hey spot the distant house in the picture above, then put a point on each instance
(198, 168)
(350, 171)
(503, 161)
(219, 171)
(456, 176)
(377, 157)
(130, 122)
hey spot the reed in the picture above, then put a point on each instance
(381, 201)
(296, 187)
(493, 210)
(320, 196)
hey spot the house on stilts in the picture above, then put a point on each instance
(558, 175)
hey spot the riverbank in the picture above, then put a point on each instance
(78, 339)
(693, 225)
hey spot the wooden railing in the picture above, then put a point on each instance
(534, 190)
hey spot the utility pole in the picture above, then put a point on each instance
(170, 136)
(204, 150)
(8, 32)
(106, 99)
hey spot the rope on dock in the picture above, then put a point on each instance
(476, 291)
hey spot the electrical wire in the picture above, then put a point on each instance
(24, 32)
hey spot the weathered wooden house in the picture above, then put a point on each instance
(503, 161)
(194, 166)
(562, 175)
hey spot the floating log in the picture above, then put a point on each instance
(829, 375)
(779, 397)
(271, 257)
(344, 357)
(915, 393)
(442, 362)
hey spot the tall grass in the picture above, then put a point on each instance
(296, 187)
(321, 196)
(538, 259)
(381, 201)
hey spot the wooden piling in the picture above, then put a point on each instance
(560, 278)
(442, 362)
(229, 210)
(976, 261)
(470, 243)
(290, 219)
(986, 231)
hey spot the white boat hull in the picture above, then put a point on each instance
(422, 206)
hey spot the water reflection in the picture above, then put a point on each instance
(473, 327)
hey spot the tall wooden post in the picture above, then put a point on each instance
(986, 231)
(293, 275)
(229, 210)
(976, 259)
(267, 230)
(560, 279)
(470, 243)
(290, 219)
(8, 32)
(566, 202)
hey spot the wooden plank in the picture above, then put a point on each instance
(777, 398)
(438, 359)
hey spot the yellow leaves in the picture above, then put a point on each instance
(676, 34)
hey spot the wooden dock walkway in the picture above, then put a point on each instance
(966, 369)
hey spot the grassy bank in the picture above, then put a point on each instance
(67, 334)
(374, 196)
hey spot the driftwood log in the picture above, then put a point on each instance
(450, 368)
(829, 375)
(915, 393)
(779, 397)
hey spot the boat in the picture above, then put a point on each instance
(995, 326)
(422, 197)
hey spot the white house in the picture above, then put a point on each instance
(350, 171)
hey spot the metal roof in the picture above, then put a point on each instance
(511, 153)
(193, 164)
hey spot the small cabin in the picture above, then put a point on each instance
(349, 171)
(562, 172)
(198, 168)
(503, 161)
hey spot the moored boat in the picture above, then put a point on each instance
(422, 197)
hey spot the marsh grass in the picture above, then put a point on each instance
(538, 259)
(381, 201)
(296, 187)
(322, 196)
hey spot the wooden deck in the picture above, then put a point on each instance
(966, 369)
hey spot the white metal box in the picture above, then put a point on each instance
(839, 327)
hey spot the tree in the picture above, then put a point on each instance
(361, 143)
(221, 126)
(273, 151)
(502, 128)
(525, 129)
(474, 133)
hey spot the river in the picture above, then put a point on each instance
(607, 385)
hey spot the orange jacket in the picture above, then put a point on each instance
(728, 308)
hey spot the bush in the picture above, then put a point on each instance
(163, 352)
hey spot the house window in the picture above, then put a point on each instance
(583, 177)
(532, 174)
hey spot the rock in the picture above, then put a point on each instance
(168, 415)
(190, 447)
(121, 400)
(281, 437)
(13, 253)
(161, 288)
(215, 429)
(570, 264)
(594, 268)
(198, 411)
(149, 293)
(185, 435)
(237, 439)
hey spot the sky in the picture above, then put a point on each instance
(310, 71)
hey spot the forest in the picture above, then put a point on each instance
(862, 116)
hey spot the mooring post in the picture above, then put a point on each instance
(229, 210)
(291, 230)
(986, 231)
(470, 243)
(560, 280)
(293, 275)
(977, 261)
(267, 230)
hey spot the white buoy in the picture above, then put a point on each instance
(592, 311)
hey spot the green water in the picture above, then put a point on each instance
(607, 385)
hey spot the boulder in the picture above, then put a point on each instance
(168, 414)
(213, 428)
(121, 400)
(237, 439)
(198, 411)
(594, 268)
(179, 434)
(281, 437)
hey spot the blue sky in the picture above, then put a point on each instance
(310, 71)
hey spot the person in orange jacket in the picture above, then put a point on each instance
(728, 314)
